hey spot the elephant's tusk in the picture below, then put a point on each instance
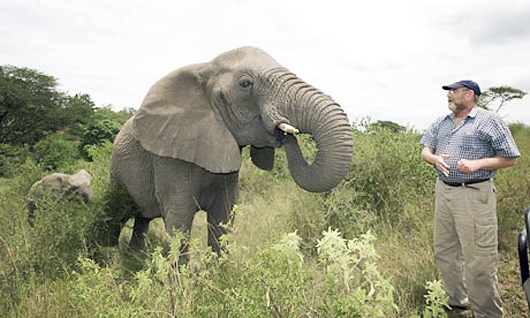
(288, 128)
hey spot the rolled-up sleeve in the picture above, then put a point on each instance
(502, 140)
(430, 138)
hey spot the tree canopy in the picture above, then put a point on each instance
(499, 96)
(31, 106)
(54, 128)
(392, 126)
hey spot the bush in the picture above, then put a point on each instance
(436, 301)
(15, 251)
(386, 180)
(513, 188)
(391, 191)
(279, 282)
(266, 272)
(11, 157)
(62, 229)
(56, 152)
(58, 234)
(113, 206)
(98, 132)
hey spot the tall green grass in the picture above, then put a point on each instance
(285, 256)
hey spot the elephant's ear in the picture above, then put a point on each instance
(263, 158)
(177, 120)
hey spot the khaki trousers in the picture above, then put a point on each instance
(465, 246)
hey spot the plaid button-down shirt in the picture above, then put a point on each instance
(483, 134)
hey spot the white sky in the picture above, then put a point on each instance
(385, 59)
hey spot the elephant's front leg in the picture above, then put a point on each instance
(139, 231)
(221, 198)
(176, 194)
(180, 220)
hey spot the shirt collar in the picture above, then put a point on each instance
(472, 113)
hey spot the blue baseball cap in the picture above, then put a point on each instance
(467, 83)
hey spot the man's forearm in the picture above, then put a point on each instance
(495, 163)
(464, 165)
(427, 155)
(438, 161)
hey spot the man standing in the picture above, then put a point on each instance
(467, 147)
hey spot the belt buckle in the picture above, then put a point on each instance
(464, 185)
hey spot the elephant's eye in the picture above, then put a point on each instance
(245, 83)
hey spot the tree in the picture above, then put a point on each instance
(75, 113)
(106, 113)
(499, 96)
(98, 132)
(31, 107)
(56, 151)
(392, 126)
(27, 99)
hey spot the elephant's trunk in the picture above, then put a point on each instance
(311, 111)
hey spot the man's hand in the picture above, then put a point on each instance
(441, 165)
(467, 166)
(438, 161)
(471, 166)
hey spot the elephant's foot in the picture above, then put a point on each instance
(138, 238)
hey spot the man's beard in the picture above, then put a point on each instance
(455, 108)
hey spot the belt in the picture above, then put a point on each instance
(465, 183)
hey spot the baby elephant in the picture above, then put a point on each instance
(60, 185)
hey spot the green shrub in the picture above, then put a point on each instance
(11, 157)
(386, 181)
(56, 152)
(279, 282)
(58, 234)
(98, 132)
(16, 263)
(436, 301)
(265, 272)
(62, 229)
(391, 191)
(513, 188)
(50, 247)
(113, 205)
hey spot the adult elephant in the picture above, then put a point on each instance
(181, 152)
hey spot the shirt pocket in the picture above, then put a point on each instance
(469, 142)
(472, 143)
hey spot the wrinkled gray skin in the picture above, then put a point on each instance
(181, 152)
(62, 185)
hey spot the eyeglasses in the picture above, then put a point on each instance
(459, 89)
